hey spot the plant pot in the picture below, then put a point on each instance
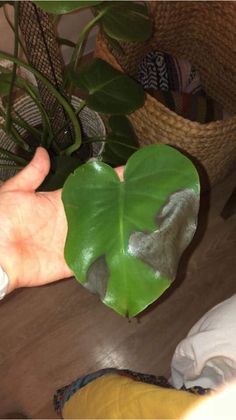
(203, 33)
(91, 125)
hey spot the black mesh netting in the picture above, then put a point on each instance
(44, 55)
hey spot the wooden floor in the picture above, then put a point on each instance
(51, 335)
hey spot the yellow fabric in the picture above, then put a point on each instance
(118, 397)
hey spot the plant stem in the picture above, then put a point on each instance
(81, 106)
(74, 146)
(78, 48)
(13, 157)
(76, 54)
(104, 140)
(9, 104)
(68, 108)
(24, 124)
(64, 41)
(47, 129)
(15, 136)
(13, 133)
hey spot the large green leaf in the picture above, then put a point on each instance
(121, 142)
(126, 21)
(109, 90)
(62, 7)
(125, 238)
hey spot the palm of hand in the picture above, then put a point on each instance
(33, 228)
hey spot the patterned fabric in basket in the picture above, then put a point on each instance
(162, 71)
(176, 84)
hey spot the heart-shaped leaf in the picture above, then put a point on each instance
(109, 90)
(121, 142)
(126, 21)
(62, 7)
(125, 238)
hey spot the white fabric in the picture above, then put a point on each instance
(207, 356)
(4, 281)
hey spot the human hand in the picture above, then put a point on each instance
(33, 228)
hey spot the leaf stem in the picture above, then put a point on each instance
(76, 54)
(82, 105)
(72, 148)
(47, 129)
(65, 104)
(108, 141)
(15, 136)
(24, 124)
(78, 48)
(16, 44)
(13, 157)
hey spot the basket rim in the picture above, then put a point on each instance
(102, 47)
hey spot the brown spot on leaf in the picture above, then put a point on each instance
(176, 225)
(97, 277)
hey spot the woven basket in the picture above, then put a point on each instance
(204, 33)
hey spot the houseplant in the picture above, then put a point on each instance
(128, 237)
(107, 91)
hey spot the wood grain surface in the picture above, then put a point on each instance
(51, 335)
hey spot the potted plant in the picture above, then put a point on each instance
(127, 236)
(107, 91)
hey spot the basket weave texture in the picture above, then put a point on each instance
(204, 33)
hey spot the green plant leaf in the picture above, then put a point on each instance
(62, 7)
(125, 238)
(126, 21)
(121, 142)
(109, 90)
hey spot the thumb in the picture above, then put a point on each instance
(32, 176)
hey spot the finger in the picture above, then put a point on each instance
(32, 176)
(120, 172)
